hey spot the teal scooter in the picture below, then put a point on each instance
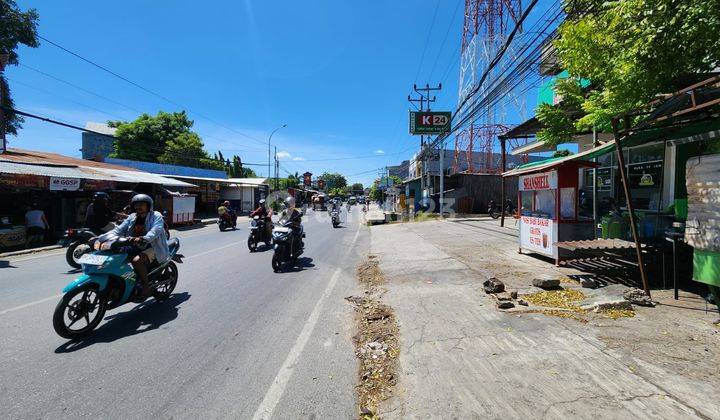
(108, 281)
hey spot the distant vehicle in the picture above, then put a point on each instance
(352, 200)
(361, 199)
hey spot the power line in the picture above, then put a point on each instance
(427, 39)
(149, 91)
(452, 20)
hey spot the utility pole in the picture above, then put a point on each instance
(277, 165)
(425, 98)
(270, 138)
(3, 143)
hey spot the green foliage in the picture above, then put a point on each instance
(562, 153)
(375, 194)
(333, 180)
(356, 188)
(338, 192)
(631, 50)
(235, 168)
(165, 138)
(16, 28)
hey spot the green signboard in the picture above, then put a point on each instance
(429, 122)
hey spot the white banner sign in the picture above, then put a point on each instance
(543, 181)
(64, 184)
(538, 235)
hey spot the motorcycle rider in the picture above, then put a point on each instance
(144, 224)
(226, 212)
(293, 215)
(265, 215)
(99, 217)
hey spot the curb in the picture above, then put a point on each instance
(30, 251)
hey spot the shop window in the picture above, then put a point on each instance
(545, 204)
(526, 202)
(567, 203)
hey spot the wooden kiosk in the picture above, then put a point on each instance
(548, 203)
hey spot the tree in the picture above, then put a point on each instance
(16, 27)
(356, 188)
(562, 153)
(630, 51)
(187, 150)
(333, 180)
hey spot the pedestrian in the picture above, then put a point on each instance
(36, 224)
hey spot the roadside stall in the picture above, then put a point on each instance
(548, 203)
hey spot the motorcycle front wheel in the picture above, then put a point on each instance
(75, 251)
(276, 262)
(84, 307)
(252, 244)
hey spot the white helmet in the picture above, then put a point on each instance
(290, 202)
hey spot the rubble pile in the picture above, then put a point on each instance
(376, 341)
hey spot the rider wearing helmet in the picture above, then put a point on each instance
(148, 225)
(99, 216)
(294, 216)
(265, 215)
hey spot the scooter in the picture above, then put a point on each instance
(109, 281)
(494, 210)
(258, 233)
(285, 246)
(335, 215)
(229, 221)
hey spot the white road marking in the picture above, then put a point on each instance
(277, 388)
(3, 312)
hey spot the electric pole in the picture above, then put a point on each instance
(269, 174)
(424, 99)
(277, 183)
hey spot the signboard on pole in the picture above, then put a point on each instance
(429, 122)
(64, 184)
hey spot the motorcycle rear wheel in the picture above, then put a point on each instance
(494, 215)
(165, 287)
(78, 310)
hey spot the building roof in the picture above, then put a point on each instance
(100, 128)
(235, 181)
(28, 162)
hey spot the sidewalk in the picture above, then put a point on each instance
(461, 357)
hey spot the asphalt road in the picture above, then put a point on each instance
(234, 340)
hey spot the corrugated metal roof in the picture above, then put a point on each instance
(100, 128)
(84, 172)
(248, 181)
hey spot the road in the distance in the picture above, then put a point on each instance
(235, 339)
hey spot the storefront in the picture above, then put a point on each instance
(548, 203)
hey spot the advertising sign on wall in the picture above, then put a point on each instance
(538, 235)
(541, 181)
(64, 184)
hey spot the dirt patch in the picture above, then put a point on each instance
(563, 298)
(376, 340)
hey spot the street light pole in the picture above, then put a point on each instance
(270, 138)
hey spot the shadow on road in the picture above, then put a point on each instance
(302, 263)
(144, 317)
(6, 264)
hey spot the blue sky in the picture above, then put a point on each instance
(337, 72)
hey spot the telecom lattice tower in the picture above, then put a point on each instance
(485, 29)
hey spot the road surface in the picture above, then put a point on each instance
(234, 340)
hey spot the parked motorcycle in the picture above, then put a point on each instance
(258, 233)
(287, 247)
(77, 241)
(494, 210)
(335, 216)
(109, 281)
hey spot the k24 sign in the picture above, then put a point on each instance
(430, 122)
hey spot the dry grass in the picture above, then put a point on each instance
(563, 299)
(376, 341)
(617, 313)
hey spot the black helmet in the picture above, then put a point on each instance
(142, 198)
(100, 196)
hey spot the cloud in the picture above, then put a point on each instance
(380, 152)
(283, 155)
(298, 158)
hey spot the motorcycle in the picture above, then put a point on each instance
(494, 210)
(258, 233)
(285, 246)
(227, 222)
(77, 240)
(109, 281)
(335, 216)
